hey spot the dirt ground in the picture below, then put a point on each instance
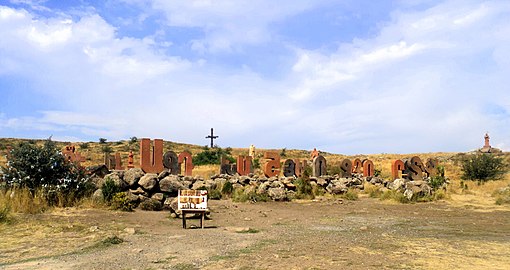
(320, 234)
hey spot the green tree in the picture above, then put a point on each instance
(44, 167)
(483, 167)
(213, 156)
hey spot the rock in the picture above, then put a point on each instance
(238, 229)
(97, 181)
(173, 215)
(98, 170)
(277, 194)
(132, 176)
(163, 174)
(171, 184)
(138, 191)
(397, 184)
(263, 187)
(158, 197)
(322, 182)
(133, 198)
(93, 229)
(237, 186)
(337, 189)
(199, 185)
(408, 193)
(117, 180)
(148, 181)
(244, 180)
(167, 204)
(277, 184)
(130, 231)
(98, 195)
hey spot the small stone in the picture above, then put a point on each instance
(93, 229)
(247, 219)
(130, 231)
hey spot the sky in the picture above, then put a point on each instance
(344, 76)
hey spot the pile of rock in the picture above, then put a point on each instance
(163, 187)
(413, 189)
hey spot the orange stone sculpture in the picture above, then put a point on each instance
(71, 155)
(244, 165)
(368, 168)
(118, 162)
(272, 167)
(130, 160)
(151, 157)
(396, 167)
(356, 166)
(188, 162)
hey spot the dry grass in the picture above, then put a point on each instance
(22, 201)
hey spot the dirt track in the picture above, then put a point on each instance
(324, 234)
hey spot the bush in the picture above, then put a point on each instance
(214, 194)
(44, 168)
(439, 180)
(350, 195)
(102, 140)
(120, 201)
(240, 196)
(84, 145)
(227, 189)
(5, 212)
(502, 196)
(109, 188)
(304, 189)
(372, 190)
(213, 156)
(483, 167)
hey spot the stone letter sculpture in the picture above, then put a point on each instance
(368, 168)
(244, 165)
(289, 168)
(396, 167)
(272, 167)
(151, 161)
(188, 163)
(346, 168)
(171, 162)
(319, 166)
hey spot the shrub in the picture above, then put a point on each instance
(304, 189)
(256, 163)
(109, 188)
(213, 156)
(240, 196)
(372, 191)
(483, 167)
(214, 194)
(437, 181)
(502, 196)
(102, 140)
(5, 212)
(84, 145)
(227, 189)
(350, 195)
(44, 168)
(120, 201)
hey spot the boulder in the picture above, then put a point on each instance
(98, 195)
(138, 191)
(132, 176)
(277, 184)
(158, 196)
(148, 181)
(263, 187)
(117, 180)
(97, 171)
(163, 174)
(277, 194)
(171, 184)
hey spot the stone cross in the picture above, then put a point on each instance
(212, 137)
(487, 138)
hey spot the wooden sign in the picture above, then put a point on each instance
(192, 200)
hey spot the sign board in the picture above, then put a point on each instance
(190, 200)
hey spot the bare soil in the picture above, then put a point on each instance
(321, 234)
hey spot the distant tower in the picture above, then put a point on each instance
(487, 138)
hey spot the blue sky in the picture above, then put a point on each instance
(343, 76)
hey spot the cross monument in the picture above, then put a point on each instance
(212, 137)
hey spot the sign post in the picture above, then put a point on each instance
(192, 201)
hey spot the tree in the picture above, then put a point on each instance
(102, 140)
(43, 167)
(483, 167)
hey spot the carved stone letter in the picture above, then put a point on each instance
(396, 167)
(346, 168)
(368, 168)
(244, 165)
(118, 162)
(356, 166)
(188, 163)
(272, 167)
(319, 166)
(289, 168)
(414, 168)
(300, 167)
(151, 161)
(431, 167)
(171, 162)
(226, 167)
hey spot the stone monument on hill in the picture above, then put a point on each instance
(487, 148)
